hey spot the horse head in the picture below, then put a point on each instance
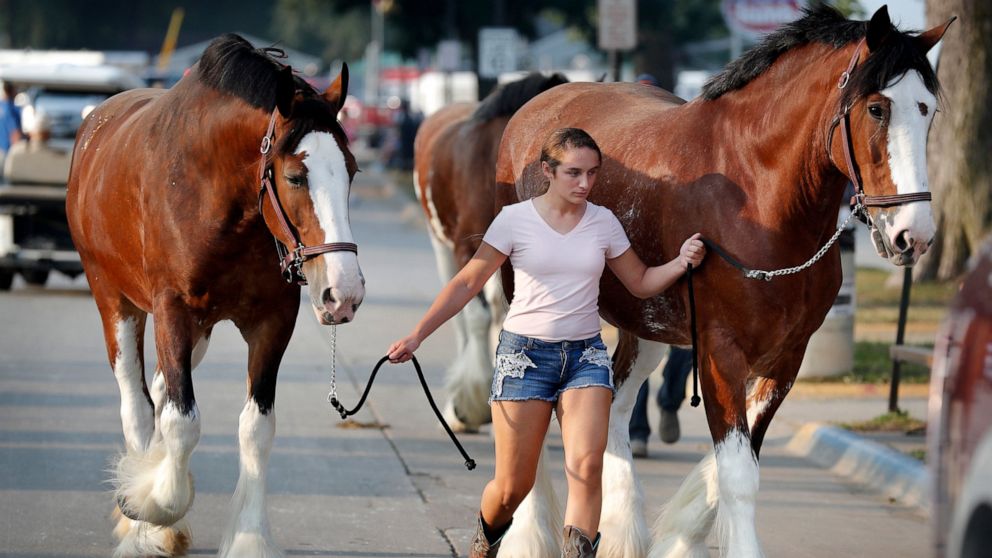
(311, 173)
(888, 102)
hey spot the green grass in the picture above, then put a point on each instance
(878, 303)
(918, 454)
(872, 365)
(899, 421)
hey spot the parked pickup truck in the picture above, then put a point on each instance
(34, 235)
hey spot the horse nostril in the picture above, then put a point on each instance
(327, 297)
(354, 308)
(344, 320)
(903, 241)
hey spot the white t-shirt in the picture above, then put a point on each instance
(556, 276)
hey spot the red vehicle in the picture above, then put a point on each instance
(960, 427)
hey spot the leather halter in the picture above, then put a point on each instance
(290, 260)
(860, 199)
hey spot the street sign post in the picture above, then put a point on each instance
(617, 24)
(497, 51)
(617, 29)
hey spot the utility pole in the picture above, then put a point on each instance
(171, 36)
(374, 51)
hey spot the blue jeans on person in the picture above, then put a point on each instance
(528, 368)
(671, 394)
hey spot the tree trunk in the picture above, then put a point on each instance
(959, 152)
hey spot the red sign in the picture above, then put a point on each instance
(754, 18)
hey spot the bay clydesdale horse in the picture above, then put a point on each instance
(454, 172)
(759, 165)
(173, 202)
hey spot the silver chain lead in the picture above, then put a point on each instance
(333, 394)
(767, 275)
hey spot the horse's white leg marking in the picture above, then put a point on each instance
(756, 405)
(137, 417)
(139, 539)
(329, 187)
(470, 375)
(537, 523)
(688, 517)
(737, 472)
(247, 531)
(157, 485)
(912, 110)
(623, 525)
(459, 384)
(157, 392)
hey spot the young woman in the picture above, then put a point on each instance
(550, 345)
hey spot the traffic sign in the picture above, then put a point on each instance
(497, 51)
(617, 24)
(449, 55)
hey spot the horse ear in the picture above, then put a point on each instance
(878, 28)
(338, 91)
(926, 40)
(285, 91)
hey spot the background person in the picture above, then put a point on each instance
(670, 396)
(10, 119)
(550, 354)
(34, 160)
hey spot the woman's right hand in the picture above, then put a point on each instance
(402, 350)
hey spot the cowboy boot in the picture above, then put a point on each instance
(482, 546)
(577, 544)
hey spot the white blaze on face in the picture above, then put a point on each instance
(330, 184)
(912, 110)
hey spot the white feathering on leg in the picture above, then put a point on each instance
(537, 523)
(737, 471)
(688, 517)
(247, 533)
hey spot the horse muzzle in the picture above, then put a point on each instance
(902, 235)
(337, 290)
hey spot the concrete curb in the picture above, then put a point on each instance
(864, 462)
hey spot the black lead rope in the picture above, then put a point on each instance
(469, 462)
(692, 324)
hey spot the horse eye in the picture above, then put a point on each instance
(876, 111)
(296, 181)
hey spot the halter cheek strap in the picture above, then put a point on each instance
(290, 260)
(860, 202)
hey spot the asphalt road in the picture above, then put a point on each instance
(398, 490)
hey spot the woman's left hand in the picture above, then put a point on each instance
(402, 350)
(692, 252)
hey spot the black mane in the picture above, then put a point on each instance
(823, 24)
(231, 64)
(509, 97)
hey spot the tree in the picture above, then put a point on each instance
(960, 143)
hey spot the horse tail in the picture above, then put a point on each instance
(624, 356)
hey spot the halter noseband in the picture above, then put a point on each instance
(290, 260)
(860, 201)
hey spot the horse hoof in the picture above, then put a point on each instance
(139, 539)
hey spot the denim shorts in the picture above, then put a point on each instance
(528, 368)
